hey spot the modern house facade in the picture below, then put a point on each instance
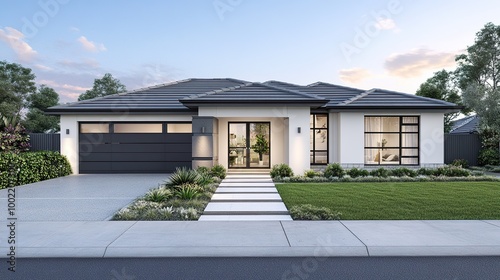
(239, 124)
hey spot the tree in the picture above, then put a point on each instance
(36, 120)
(479, 78)
(442, 86)
(107, 85)
(16, 84)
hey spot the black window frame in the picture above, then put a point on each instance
(400, 133)
(312, 130)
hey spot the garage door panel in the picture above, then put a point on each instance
(181, 148)
(96, 157)
(138, 148)
(139, 157)
(179, 138)
(177, 156)
(95, 138)
(88, 148)
(94, 167)
(138, 138)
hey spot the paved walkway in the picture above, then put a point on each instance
(110, 239)
(246, 197)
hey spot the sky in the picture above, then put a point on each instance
(390, 44)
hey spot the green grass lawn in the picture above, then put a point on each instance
(399, 201)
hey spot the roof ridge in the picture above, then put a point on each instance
(330, 84)
(310, 95)
(465, 120)
(357, 97)
(281, 82)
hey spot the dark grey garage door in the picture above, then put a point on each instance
(134, 147)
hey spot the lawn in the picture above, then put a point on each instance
(399, 200)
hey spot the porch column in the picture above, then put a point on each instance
(205, 141)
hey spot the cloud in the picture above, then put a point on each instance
(91, 46)
(415, 62)
(42, 67)
(88, 64)
(74, 29)
(15, 39)
(354, 75)
(67, 92)
(385, 24)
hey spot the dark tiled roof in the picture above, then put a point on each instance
(185, 95)
(255, 93)
(158, 98)
(334, 93)
(466, 125)
(380, 98)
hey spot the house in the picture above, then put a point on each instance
(466, 125)
(463, 141)
(202, 122)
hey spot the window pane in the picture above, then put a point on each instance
(389, 156)
(409, 152)
(138, 128)
(370, 156)
(389, 140)
(413, 120)
(321, 121)
(372, 124)
(409, 140)
(321, 157)
(372, 139)
(410, 128)
(409, 161)
(311, 121)
(312, 158)
(179, 128)
(390, 124)
(321, 138)
(311, 139)
(94, 128)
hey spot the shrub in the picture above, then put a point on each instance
(310, 173)
(218, 171)
(451, 171)
(14, 139)
(281, 170)
(187, 191)
(310, 212)
(334, 170)
(403, 171)
(380, 172)
(425, 171)
(31, 167)
(460, 163)
(183, 176)
(203, 170)
(204, 179)
(355, 172)
(158, 195)
(488, 156)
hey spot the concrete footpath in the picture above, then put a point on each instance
(110, 239)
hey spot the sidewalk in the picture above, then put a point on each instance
(111, 239)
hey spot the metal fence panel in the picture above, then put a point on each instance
(461, 146)
(45, 142)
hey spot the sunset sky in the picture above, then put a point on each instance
(394, 45)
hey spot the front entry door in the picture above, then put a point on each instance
(249, 145)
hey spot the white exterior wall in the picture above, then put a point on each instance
(351, 137)
(334, 139)
(69, 142)
(287, 145)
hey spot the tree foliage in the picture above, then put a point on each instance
(14, 139)
(442, 86)
(16, 84)
(36, 120)
(107, 85)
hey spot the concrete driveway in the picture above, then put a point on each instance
(89, 197)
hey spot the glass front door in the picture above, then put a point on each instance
(249, 145)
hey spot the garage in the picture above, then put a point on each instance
(134, 147)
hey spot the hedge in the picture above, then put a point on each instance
(31, 167)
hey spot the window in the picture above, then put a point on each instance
(138, 128)
(319, 138)
(392, 140)
(94, 128)
(179, 128)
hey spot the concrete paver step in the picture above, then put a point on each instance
(245, 218)
(224, 184)
(242, 197)
(246, 207)
(245, 190)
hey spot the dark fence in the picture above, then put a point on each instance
(461, 146)
(45, 142)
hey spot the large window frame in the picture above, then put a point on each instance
(319, 130)
(408, 155)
